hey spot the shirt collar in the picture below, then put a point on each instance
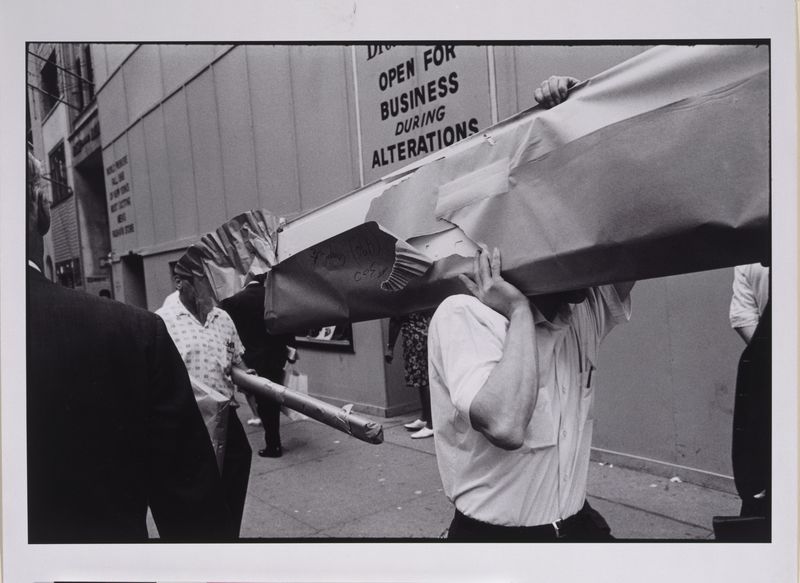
(182, 310)
(560, 320)
(33, 264)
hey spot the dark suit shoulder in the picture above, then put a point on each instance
(51, 304)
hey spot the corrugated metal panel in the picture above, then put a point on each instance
(99, 64)
(534, 64)
(220, 49)
(115, 54)
(206, 152)
(155, 142)
(113, 110)
(236, 132)
(180, 62)
(140, 186)
(667, 378)
(143, 84)
(322, 123)
(181, 170)
(273, 125)
(505, 81)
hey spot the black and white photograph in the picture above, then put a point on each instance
(297, 299)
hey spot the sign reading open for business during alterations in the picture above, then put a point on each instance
(414, 100)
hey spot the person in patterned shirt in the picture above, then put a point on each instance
(210, 347)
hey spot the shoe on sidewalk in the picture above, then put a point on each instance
(254, 421)
(415, 425)
(422, 433)
(271, 452)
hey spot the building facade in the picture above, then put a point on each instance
(65, 135)
(192, 135)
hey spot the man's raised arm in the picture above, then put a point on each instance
(502, 408)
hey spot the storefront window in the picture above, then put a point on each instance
(68, 273)
(337, 338)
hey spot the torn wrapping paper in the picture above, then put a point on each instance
(244, 245)
(656, 167)
(341, 418)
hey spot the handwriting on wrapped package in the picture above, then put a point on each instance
(373, 271)
(119, 198)
(358, 257)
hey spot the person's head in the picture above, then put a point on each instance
(37, 203)
(186, 286)
(575, 296)
(194, 289)
(550, 304)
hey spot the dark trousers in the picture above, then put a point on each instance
(270, 414)
(269, 411)
(425, 400)
(236, 468)
(586, 526)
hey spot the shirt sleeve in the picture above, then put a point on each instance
(598, 315)
(465, 343)
(238, 348)
(607, 309)
(744, 304)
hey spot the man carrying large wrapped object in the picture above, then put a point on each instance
(512, 393)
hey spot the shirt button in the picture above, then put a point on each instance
(564, 433)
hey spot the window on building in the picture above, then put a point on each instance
(51, 93)
(58, 174)
(68, 273)
(79, 89)
(84, 80)
(88, 72)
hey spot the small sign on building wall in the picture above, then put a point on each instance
(121, 215)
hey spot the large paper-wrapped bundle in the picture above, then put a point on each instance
(658, 166)
(341, 418)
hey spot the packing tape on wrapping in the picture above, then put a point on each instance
(486, 182)
(344, 416)
(409, 263)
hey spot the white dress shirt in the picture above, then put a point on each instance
(545, 479)
(750, 294)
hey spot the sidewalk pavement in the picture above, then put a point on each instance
(329, 484)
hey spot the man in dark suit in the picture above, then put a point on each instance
(112, 423)
(264, 352)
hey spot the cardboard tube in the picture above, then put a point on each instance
(340, 418)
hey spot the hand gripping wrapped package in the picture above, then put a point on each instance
(656, 167)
